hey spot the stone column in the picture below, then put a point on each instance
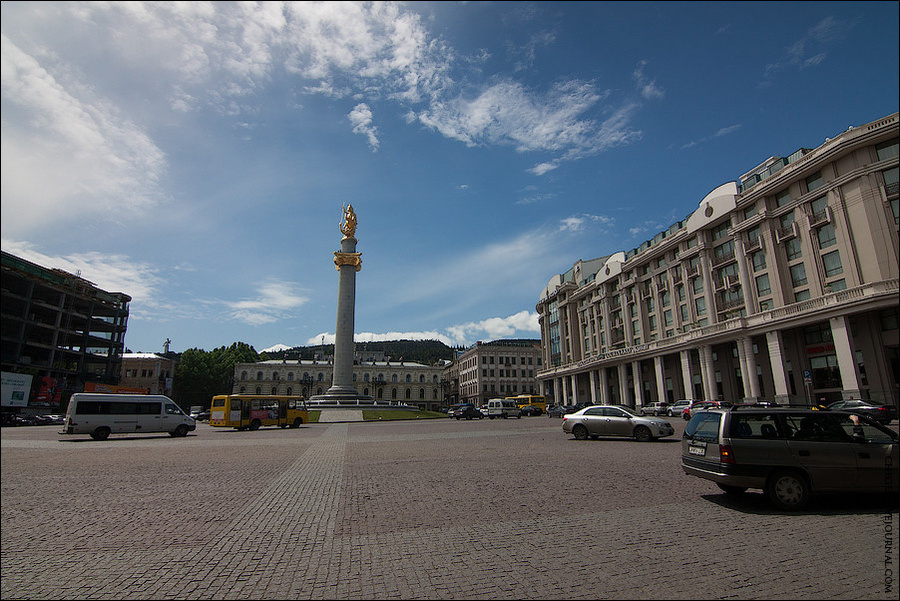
(347, 262)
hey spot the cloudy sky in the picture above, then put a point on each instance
(197, 156)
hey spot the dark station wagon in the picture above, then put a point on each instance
(790, 453)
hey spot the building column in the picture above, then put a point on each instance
(593, 374)
(752, 376)
(776, 360)
(686, 375)
(604, 386)
(660, 379)
(707, 373)
(565, 390)
(843, 348)
(638, 384)
(574, 384)
(623, 384)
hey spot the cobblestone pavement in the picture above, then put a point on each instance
(431, 509)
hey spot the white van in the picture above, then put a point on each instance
(503, 408)
(103, 414)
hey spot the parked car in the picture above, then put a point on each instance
(556, 411)
(654, 409)
(468, 412)
(453, 408)
(676, 408)
(883, 414)
(531, 410)
(696, 406)
(789, 454)
(614, 420)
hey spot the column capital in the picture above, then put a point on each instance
(352, 259)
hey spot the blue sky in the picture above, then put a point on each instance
(197, 156)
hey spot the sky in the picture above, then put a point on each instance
(198, 156)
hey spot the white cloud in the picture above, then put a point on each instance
(648, 88)
(361, 118)
(274, 301)
(67, 155)
(520, 325)
(113, 273)
(799, 55)
(542, 168)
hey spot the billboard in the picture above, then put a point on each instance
(49, 394)
(16, 389)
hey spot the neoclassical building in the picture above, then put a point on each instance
(499, 368)
(781, 286)
(385, 380)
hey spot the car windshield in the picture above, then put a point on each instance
(629, 411)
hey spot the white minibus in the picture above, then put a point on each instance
(103, 414)
(503, 408)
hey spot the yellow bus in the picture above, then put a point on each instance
(250, 412)
(523, 400)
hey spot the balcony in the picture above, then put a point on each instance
(724, 258)
(786, 233)
(820, 218)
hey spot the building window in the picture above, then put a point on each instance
(749, 212)
(786, 220)
(814, 181)
(887, 150)
(798, 275)
(700, 304)
(826, 236)
(832, 264)
(667, 316)
(818, 205)
(801, 295)
(759, 260)
(782, 198)
(697, 283)
(721, 231)
(825, 371)
(793, 249)
(836, 286)
(765, 305)
(763, 288)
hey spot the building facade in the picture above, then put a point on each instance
(783, 286)
(148, 371)
(498, 369)
(60, 328)
(385, 380)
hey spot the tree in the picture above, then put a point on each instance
(201, 375)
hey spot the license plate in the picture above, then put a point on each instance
(697, 450)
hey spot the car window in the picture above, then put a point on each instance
(754, 425)
(594, 411)
(822, 427)
(703, 426)
(613, 412)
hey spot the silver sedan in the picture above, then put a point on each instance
(614, 420)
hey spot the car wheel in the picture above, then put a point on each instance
(297, 422)
(180, 431)
(788, 490)
(643, 434)
(580, 432)
(101, 433)
(254, 425)
(731, 490)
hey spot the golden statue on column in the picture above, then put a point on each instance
(348, 226)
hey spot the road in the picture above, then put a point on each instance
(424, 509)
